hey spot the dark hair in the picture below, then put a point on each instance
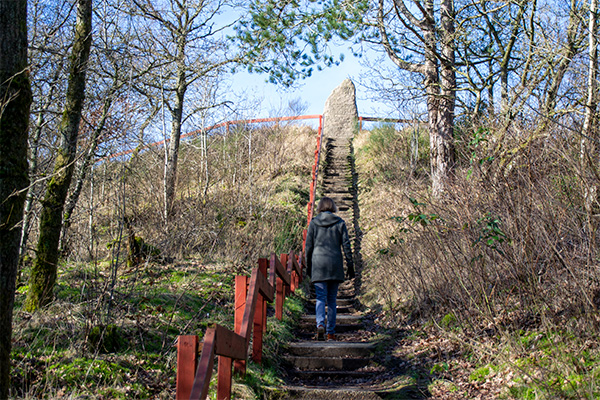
(326, 204)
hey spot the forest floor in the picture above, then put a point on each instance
(57, 353)
(114, 339)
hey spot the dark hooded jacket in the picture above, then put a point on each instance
(327, 234)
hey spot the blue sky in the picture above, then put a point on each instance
(313, 90)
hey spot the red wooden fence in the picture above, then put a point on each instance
(272, 280)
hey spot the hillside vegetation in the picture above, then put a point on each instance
(131, 284)
(495, 282)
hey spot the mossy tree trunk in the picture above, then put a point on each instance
(43, 272)
(15, 99)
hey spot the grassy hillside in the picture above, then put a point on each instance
(110, 333)
(495, 282)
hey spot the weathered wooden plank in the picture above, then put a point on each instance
(241, 292)
(224, 374)
(251, 307)
(259, 322)
(187, 361)
(263, 266)
(205, 367)
(279, 269)
(230, 344)
(279, 297)
(264, 287)
(285, 262)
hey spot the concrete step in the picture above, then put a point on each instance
(331, 349)
(328, 363)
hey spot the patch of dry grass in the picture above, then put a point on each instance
(510, 250)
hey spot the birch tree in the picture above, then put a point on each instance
(588, 151)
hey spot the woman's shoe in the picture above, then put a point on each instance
(330, 336)
(320, 332)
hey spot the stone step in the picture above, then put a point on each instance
(328, 363)
(310, 328)
(340, 309)
(331, 349)
(344, 293)
(341, 319)
(342, 393)
(340, 302)
(320, 378)
(349, 336)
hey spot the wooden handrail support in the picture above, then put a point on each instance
(229, 346)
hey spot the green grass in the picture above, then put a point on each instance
(60, 349)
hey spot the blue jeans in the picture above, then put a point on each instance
(326, 292)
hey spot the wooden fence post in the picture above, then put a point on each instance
(263, 266)
(284, 261)
(224, 378)
(187, 362)
(241, 292)
(260, 320)
(279, 299)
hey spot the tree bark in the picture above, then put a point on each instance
(588, 152)
(15, 100)
(445, 145)
(440, 84)
(177, 117)
(44, 270)
(566, 57)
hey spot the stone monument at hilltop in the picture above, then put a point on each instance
(340, 115)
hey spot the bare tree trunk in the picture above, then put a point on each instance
(35, 139)
(588, 156)
(572, 46)
(441, 97)
(177, 117)
(15, 100)
(43, 272)
(33, 150)
(85, 167)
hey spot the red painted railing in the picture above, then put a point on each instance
(226, 124)
(231, 347)
(251, 296)
(315, 171)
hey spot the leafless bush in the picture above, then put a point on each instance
(244, 199)
(508, 246)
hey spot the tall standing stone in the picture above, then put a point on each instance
(341, 115)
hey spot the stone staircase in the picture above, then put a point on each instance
(358, 364)
(333, 369)
(346, 368)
